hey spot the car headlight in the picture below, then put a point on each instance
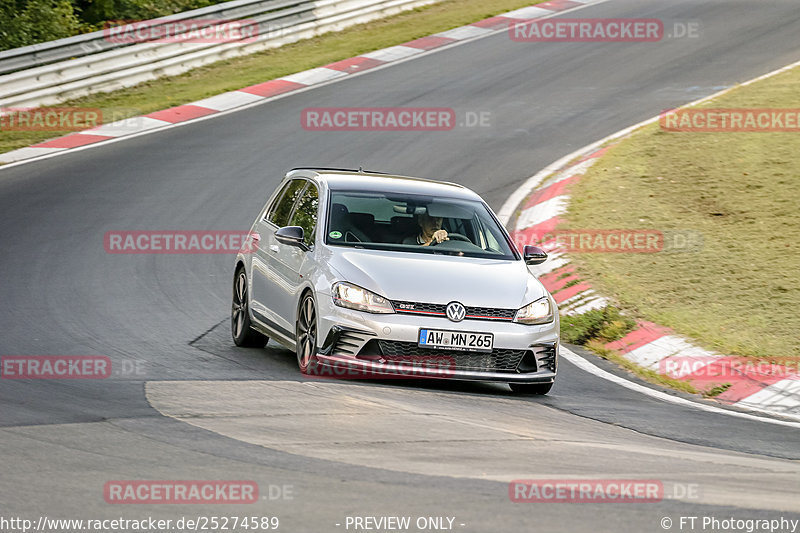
(354, 297)
(538, 312)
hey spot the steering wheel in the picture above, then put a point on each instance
(453, 236)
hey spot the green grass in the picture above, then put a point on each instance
(248, 70)
(601, 325)
(739, 294)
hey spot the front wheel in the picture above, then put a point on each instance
(241, 328)
(306, 333)
(531, 388)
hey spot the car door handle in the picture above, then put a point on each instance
(273, 248)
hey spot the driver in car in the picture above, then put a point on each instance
(430, 231)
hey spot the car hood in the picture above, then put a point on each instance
(439, 278)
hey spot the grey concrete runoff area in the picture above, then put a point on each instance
(188, 405)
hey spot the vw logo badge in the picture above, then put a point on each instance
(455, 311)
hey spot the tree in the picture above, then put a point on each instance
(33, 21)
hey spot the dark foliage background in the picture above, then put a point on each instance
(24, 22)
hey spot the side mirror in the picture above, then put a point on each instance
(533, 255)
(291, 235)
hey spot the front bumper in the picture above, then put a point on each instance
(354, 340)
(364, 369)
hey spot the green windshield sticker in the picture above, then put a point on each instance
(335, 234)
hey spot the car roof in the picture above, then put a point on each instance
(366, 180)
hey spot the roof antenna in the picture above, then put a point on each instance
(360, 170)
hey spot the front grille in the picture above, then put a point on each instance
(474, 313)
(490, 313)
(419, 308)
(498, 360)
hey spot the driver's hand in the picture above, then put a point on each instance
(439, 236)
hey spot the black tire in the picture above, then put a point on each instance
(531, 388)
(306, 332)
(241, 328)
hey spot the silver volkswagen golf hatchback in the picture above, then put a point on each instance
(391, 275)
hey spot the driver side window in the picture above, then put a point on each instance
(305, 213)
(282, 208)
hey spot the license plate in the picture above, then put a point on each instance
(455, 340)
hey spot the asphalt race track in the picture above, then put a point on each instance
(187, 405)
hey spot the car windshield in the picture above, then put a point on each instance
(406, 223)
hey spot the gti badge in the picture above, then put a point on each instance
(455, 311)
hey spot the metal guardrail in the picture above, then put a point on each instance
(91, 43)
(52, 72)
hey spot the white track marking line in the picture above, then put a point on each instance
(585, 365)
(20, 155)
